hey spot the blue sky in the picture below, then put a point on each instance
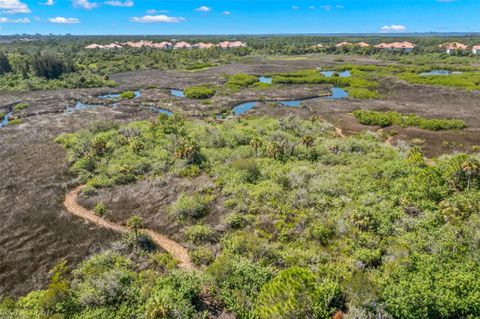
(237, 16)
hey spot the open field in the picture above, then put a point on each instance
(36, 232)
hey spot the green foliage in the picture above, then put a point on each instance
(21, 106)
(296, 293)
(202, 255)
(190, 206)
(199, 233)
(330, 218)
(5, 66)
(385, 119)
(127, 95)
(362, 94)
(100, 209)
(15, 122)
(238, 81)
(199, 92)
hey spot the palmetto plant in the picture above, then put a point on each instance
(471, 168)
(256, 143)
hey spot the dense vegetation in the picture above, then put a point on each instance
(52, 62)
(359, 85)
(199, 92)
(314, 225)
(385, 119)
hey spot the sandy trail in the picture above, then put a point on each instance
(340, 132)
(172, 247)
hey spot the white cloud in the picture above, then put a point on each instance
(446, 1)
(63, 20)
(393, 28)
(226, 13)
(311, 7)
(327, 7)
(13, 7)
(47, 3)
(151, 11)
(203, 9)
(339, 6)
(84, 4)
(116, 3)
(7, 20)
(157, 19)
(295, 7)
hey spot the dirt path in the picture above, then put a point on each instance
(175, 249)
(339, 132)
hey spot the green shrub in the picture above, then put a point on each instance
(21, 106)
(202, 256)
(239, 81)
(100, 209)
(15, 122)
(127, 95)
(199, 233)
(199, 92)
(385, 119)
(194, 206)
(2, 116)
(297, 293)
(363, 94)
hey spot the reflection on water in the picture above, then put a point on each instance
(329, 74)
(117, 95)
(177, 93)
(6, 118)
(439, 72)
(265, 79)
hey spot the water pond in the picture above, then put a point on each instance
(336, 94)
(5, 120)
(177, 93)
(118, 95)
(265, 79)
(439, 72)
(329, 74)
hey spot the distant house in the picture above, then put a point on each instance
(231, 45)
(451, 47)
(139, 44)
(237, 44)
(112, 46)
(400, 46)
(202, 45)
(476, 49)
(343, 44)
(106, 46)
(93, 46)
(163, 45)
(362, 44)
(182, 45)
(382, 46)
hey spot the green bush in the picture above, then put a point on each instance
(194, 206)
(127, 95)
(239, 81)
(385, 119)
(100, 209)
(15, 122)
(21, 106)
(199, 92)
(363, 94)
(202, 256)
(199, 233)
(297, 293)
